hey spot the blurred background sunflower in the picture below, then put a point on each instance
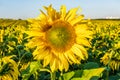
(1, 35)
(59, 37)
(106, 44)
(8, 69)
(112, 58)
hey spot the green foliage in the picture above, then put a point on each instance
(106, 40)
(91, 65)
(116, 77)
(87, 74)
(31, 70)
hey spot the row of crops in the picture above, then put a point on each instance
(17, 62)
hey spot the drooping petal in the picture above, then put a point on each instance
(54, 64)
(40, 53)
(47, 59)
(83, 41)
(83, 50)
(64, 62)
(71, 57)
(83, 31)
(77, 51)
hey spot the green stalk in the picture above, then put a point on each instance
(53, 75)
(20, 58)
(107, 75)
(108, 68)
(47, 70)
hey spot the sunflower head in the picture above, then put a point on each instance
(112, 58)
(8, 69)
(60, 37)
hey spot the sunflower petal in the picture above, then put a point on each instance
(77, 51)
(47, 59)
(83, 50)
(83, 41)
(64, 62)
(34, 33)
(72, 57)
(63, 12)
(71, 14)
(76, 20)
(53, 64)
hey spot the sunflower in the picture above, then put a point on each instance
(1, 35)
(112, 58)
(8, 69)
(113, 61)
(59, 37)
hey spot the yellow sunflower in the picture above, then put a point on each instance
(8, 69)
(1, 35)
(60, 37)
(112, 58)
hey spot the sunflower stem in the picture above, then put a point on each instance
(108, 67)
(20, 58)
(47, 70)
(53, 75)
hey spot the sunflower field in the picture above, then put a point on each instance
(59, 45)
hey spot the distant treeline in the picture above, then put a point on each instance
(11, 22)
(8, 22)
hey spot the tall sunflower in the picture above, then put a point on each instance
(60, 37)
(8, 69)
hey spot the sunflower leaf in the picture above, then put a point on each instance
(67, 76)
(90, 74)
(91, 65)
(31, 69)
(70, 75)
(35, 65)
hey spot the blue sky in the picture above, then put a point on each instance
(30, 8)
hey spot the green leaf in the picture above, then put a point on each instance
(70, 75)
(31, 69)
(67, 76)
(77, 79)
(35, 65)
(91, 74)
(91, 65)
(88, 74)
(93, 78)
(78, 73)
(115, 77)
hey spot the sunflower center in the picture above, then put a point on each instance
(60, 35)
